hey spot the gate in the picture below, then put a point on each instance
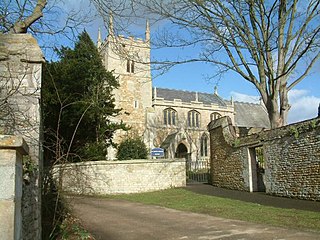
(198, 171)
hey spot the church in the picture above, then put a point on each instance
(171, 119)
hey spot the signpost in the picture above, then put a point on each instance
(157, 152)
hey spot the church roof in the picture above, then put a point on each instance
(246, 114)
(186, 96)
(250, 115)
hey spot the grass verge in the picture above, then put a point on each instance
(182, 199)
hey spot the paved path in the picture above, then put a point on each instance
(123, 220)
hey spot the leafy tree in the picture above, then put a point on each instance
(78, 103)
(132, 148)
(272, 44)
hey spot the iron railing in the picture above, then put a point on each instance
(198, 170)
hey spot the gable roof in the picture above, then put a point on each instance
(186, 96)
(250, 115)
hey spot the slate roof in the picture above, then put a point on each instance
(250, 115)
(186, 96)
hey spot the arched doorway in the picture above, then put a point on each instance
(182, 151)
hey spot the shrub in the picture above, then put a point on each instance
(132, 148)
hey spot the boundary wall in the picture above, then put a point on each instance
(289, 164)
(117, 177)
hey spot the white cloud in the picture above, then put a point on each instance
(303, 105)
(295, 94)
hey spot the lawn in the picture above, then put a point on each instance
(185, 200)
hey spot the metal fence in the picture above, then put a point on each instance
(198, 170)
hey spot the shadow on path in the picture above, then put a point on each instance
(255, 197)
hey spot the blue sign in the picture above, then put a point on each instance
(157, 152)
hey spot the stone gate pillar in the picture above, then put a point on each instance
(20, 82)
(12, 149)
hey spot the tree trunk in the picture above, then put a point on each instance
(284, 104)
(275, 118)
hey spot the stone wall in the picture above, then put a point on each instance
(20, 82)
(116, 177)
(227, 169)
(291, 159)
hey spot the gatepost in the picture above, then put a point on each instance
(12, 149)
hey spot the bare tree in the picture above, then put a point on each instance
(40, 18)
(44, 18)
(272, 44)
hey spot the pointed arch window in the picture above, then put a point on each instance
(204, 145)
(193, 119)
(169, 116)
(215, 116)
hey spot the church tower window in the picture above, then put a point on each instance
(130, 66)
(136, 104)
(169, 116)
(193, 119)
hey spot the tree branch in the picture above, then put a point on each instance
(21, 26)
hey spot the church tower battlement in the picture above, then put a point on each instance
(129, 59)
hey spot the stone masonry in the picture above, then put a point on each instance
(291, 159)
(20, 82)
(116, 177)
(12, 149)
(129, 60)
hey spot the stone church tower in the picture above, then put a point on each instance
(129, 60)
(174, 120)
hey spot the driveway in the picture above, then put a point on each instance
(122, 220)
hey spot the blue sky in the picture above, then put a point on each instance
(304, 98)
